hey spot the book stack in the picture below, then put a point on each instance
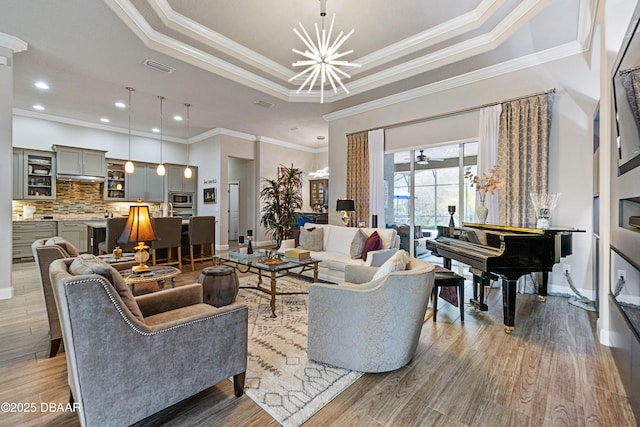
(299, 254)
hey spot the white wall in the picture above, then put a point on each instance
(6, 173)
(577, 84)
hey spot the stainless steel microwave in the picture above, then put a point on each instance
(181, 200)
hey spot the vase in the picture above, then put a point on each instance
(481, 212)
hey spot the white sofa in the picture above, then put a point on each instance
(335, 254)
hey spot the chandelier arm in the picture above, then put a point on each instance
(318, 39)
(338, 55)
(338, 70)
(323, 74)
(332, 72)
(339, 42)
(315, 74)
(309, 77)
(307, 41)
(305, 63)
(333, 85)
(302, 73)
(326, 46)
(306, 54)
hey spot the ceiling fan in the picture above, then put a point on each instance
(423, 159)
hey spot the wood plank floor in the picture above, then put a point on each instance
(549, 372)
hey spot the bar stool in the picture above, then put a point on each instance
(202, 231)
(446, 277)
(114, 230)
(168, 236)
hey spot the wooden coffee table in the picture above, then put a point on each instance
(252, 264)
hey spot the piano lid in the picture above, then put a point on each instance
(521, 228)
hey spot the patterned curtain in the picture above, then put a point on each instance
(358, 175)
(523, 156)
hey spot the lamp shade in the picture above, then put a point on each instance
(138, 227)
(347, 205)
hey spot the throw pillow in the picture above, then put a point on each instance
(373, 243)
(397, 262)
(311, 239)
(65, 245)
(357, 244)
(89, 264)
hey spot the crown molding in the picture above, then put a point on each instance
(549, 55)
(285, 144)
(10, 42)
(207, 36)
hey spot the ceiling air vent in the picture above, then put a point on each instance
(158, 66)
(264, 104)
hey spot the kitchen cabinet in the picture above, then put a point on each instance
(177, 182)
(39, 175)
(116, 183)
(74, 232)
(145, 184)
(80, 162)
(18, 174)
(26, 232)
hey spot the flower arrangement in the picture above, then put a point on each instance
(483, 184)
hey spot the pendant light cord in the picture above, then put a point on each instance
(161, 99)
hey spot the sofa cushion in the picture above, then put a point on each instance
(89, 264)
(68, 247)
(311, 238)
(388, 235)
(373, 243)
(357, 244)
(338, 239)
(397, 262)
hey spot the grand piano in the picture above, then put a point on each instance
(505, 252)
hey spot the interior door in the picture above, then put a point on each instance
(234, 211)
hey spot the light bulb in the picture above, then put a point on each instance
(160, 170)
(128, 167)
(187, 172)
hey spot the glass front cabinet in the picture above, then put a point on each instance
(40, 175)
(115, 186)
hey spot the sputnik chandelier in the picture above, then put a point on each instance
(322, 57)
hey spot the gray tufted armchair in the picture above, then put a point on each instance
(369, 325)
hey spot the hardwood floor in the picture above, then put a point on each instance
(550, 371)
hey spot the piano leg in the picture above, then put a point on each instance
(542, 287)
(479, 282)
(509, 304)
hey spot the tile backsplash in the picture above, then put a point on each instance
(77, 200)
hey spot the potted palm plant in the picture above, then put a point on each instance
(281, 199)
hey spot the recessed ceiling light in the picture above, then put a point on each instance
(177, 118)
(38, 107)
(264, 104)
(294, 128)
(320, 138)
(104, 120)
(41, 85)
(120, 104)
(156, 130)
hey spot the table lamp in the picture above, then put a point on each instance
(344, 206)
(139, 230)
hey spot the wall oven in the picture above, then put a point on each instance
(181, 200)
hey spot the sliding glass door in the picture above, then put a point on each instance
(422, 183)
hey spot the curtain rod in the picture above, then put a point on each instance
(452, 113)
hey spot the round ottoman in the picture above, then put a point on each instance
(219, 285)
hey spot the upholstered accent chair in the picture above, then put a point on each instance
(115, 226)
(168, 236)
(129, 357)
(45, 251)
(202, 237)
(369, 325)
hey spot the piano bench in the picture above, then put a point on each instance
(445, 277)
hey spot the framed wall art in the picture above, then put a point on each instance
(209, 195)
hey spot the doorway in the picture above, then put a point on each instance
(234, 210)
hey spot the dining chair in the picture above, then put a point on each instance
(114, 230)
(202, 234)
(168, 231)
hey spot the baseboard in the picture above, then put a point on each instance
(6, 293)
(566, 290)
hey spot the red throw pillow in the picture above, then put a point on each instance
(373, 243)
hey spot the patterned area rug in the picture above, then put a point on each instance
(280, 378)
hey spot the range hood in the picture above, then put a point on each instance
(81, 178)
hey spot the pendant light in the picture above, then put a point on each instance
(187, 170)
(161, 170)
(128, 167)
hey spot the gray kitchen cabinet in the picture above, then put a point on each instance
(18, 174)
(26, 232)
(39, 175)
(79, 161)
(145, 184)
(177, 182)
(74, 232)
